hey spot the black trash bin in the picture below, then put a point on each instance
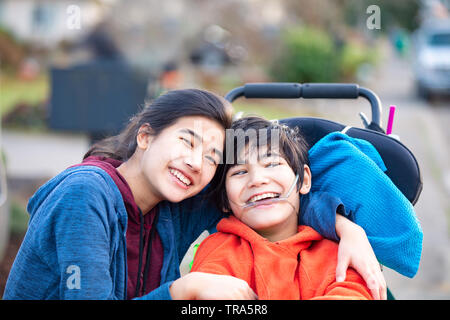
(97, 98)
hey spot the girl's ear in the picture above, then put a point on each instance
(144, 136)
(306, 186)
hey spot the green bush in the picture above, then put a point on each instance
(311, 55)
(351, 57)
(306, 55)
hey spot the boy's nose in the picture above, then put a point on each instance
(257, 178)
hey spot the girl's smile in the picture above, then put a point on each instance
(177, 163)
(182, 179)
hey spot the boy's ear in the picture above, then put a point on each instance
(307, 179)
(144, 137)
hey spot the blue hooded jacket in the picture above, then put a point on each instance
(353, 169)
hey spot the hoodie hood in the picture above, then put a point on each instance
(110, 166)
(301, 240)
(300, 267)
(51, 186)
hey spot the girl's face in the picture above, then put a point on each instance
(180, 161)
(267, 176)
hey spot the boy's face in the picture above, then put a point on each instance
(266, 176)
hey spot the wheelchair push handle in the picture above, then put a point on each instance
(287, 90)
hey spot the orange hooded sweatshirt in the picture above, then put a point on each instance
(300, 267)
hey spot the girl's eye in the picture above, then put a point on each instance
(187, 141)
(211, 160)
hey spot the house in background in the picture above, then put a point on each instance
(46, 23)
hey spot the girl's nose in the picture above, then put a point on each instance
(194, 160)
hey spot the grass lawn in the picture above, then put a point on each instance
(14, 91)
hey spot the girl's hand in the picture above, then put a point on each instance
(356, 251)
(206, 286)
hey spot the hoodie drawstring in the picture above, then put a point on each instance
(141, 245)
(149, 251)
(141, 252)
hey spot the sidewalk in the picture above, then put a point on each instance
(42, 155)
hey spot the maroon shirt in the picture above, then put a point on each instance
(134, 236)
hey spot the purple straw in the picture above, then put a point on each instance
(391, 120)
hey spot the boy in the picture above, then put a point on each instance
(261, 242)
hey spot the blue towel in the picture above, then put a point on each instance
(352, 170)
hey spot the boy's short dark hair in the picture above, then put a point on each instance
(291, 144)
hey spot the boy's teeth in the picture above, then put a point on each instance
(180, 176)
(263, 196)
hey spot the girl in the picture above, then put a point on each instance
(117, 225)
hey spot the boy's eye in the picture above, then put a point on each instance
(272, 164)
(239, 172)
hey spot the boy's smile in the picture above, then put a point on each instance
(260, 181)
(262, 196)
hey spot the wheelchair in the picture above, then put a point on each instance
(402, 167)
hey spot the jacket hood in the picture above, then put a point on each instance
(110, 166)
(50, 186)
(301, 240)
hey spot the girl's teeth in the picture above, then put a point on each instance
(180, 176)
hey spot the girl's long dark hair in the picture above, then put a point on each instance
(160, 114)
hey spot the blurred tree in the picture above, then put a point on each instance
(12, 52)
(324, 14)
(307, 55)
(172, 30)
(355, 59)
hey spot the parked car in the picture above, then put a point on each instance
(432, 58)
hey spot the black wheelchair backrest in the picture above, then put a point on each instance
(402, 166)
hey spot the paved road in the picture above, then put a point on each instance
(422, 127)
